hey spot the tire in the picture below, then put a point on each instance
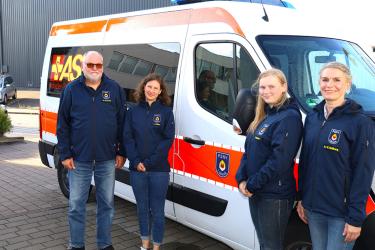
(366, 240)
(300, 245)
(5, 101)
(62, 177)
(15, 95)
(297, 235)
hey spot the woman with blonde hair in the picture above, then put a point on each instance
(336, 164)
(265, 174)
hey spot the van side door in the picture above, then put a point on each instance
(215, 67)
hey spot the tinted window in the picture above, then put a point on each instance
(301, 59)
(126, 64)
(7, 80)
(222, 69)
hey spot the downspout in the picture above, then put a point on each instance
(1, 38)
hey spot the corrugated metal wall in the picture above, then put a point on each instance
(26, 24)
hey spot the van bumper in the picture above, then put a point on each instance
(44, 149)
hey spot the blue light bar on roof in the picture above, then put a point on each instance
(280, 3)
(179, 2)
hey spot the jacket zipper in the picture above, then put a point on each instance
(94, 129)
(145, 152)
(315, 163)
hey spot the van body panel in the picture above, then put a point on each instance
(180, 42)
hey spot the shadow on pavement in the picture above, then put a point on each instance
(24, 103)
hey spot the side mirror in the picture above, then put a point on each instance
(244, 111)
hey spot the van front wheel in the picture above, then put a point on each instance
(301, 245)
(62, 177)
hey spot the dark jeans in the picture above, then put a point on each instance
(270, 218)
(150, 191)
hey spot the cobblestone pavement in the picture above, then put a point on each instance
(33, 210)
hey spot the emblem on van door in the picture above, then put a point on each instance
(222, 164)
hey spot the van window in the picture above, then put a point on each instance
(301, 59)
(221, 70)
(126, 64)
(6, 81)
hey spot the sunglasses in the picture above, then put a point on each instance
(96, 65)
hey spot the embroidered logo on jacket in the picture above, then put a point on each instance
(156, 119)
(263, 129)
(106, 95)
(222, 164)
(334, 136)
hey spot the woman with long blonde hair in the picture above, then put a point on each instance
(265, 174)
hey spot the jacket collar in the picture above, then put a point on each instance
(288, 104)
(155, 104)
(349, 107)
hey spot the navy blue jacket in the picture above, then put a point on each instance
(148, 135)
(336, 163)
(90, 122)
(268, 160)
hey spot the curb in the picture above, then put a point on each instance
(5, 139)
(23, 111)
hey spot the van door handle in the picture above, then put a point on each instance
(194, 141)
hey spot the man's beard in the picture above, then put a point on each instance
(93, 78)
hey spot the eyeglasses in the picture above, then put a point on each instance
(96, 65)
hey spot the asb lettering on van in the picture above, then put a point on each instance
(65, 67)
(209, 54)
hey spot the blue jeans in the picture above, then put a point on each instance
(326, 232)
(270, 218)
(150, 191)
(79, 182)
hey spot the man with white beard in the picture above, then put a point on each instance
(89, 132)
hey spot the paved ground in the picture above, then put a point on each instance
(33, 210)
(26, 99)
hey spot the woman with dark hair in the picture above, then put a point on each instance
(148, 135)
(265, 174)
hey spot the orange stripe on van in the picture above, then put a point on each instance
(79, 28)
(209, 15)
(48, 121)
(151, 20)
(370, 205)
(205, 15)
(202, 162)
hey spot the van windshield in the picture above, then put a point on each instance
(301, 59)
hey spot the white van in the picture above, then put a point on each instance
(233, 40)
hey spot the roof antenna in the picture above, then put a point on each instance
(265, 17)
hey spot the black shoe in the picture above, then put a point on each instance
(108, 248)
(77, 248)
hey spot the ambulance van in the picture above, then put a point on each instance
(227, 44)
